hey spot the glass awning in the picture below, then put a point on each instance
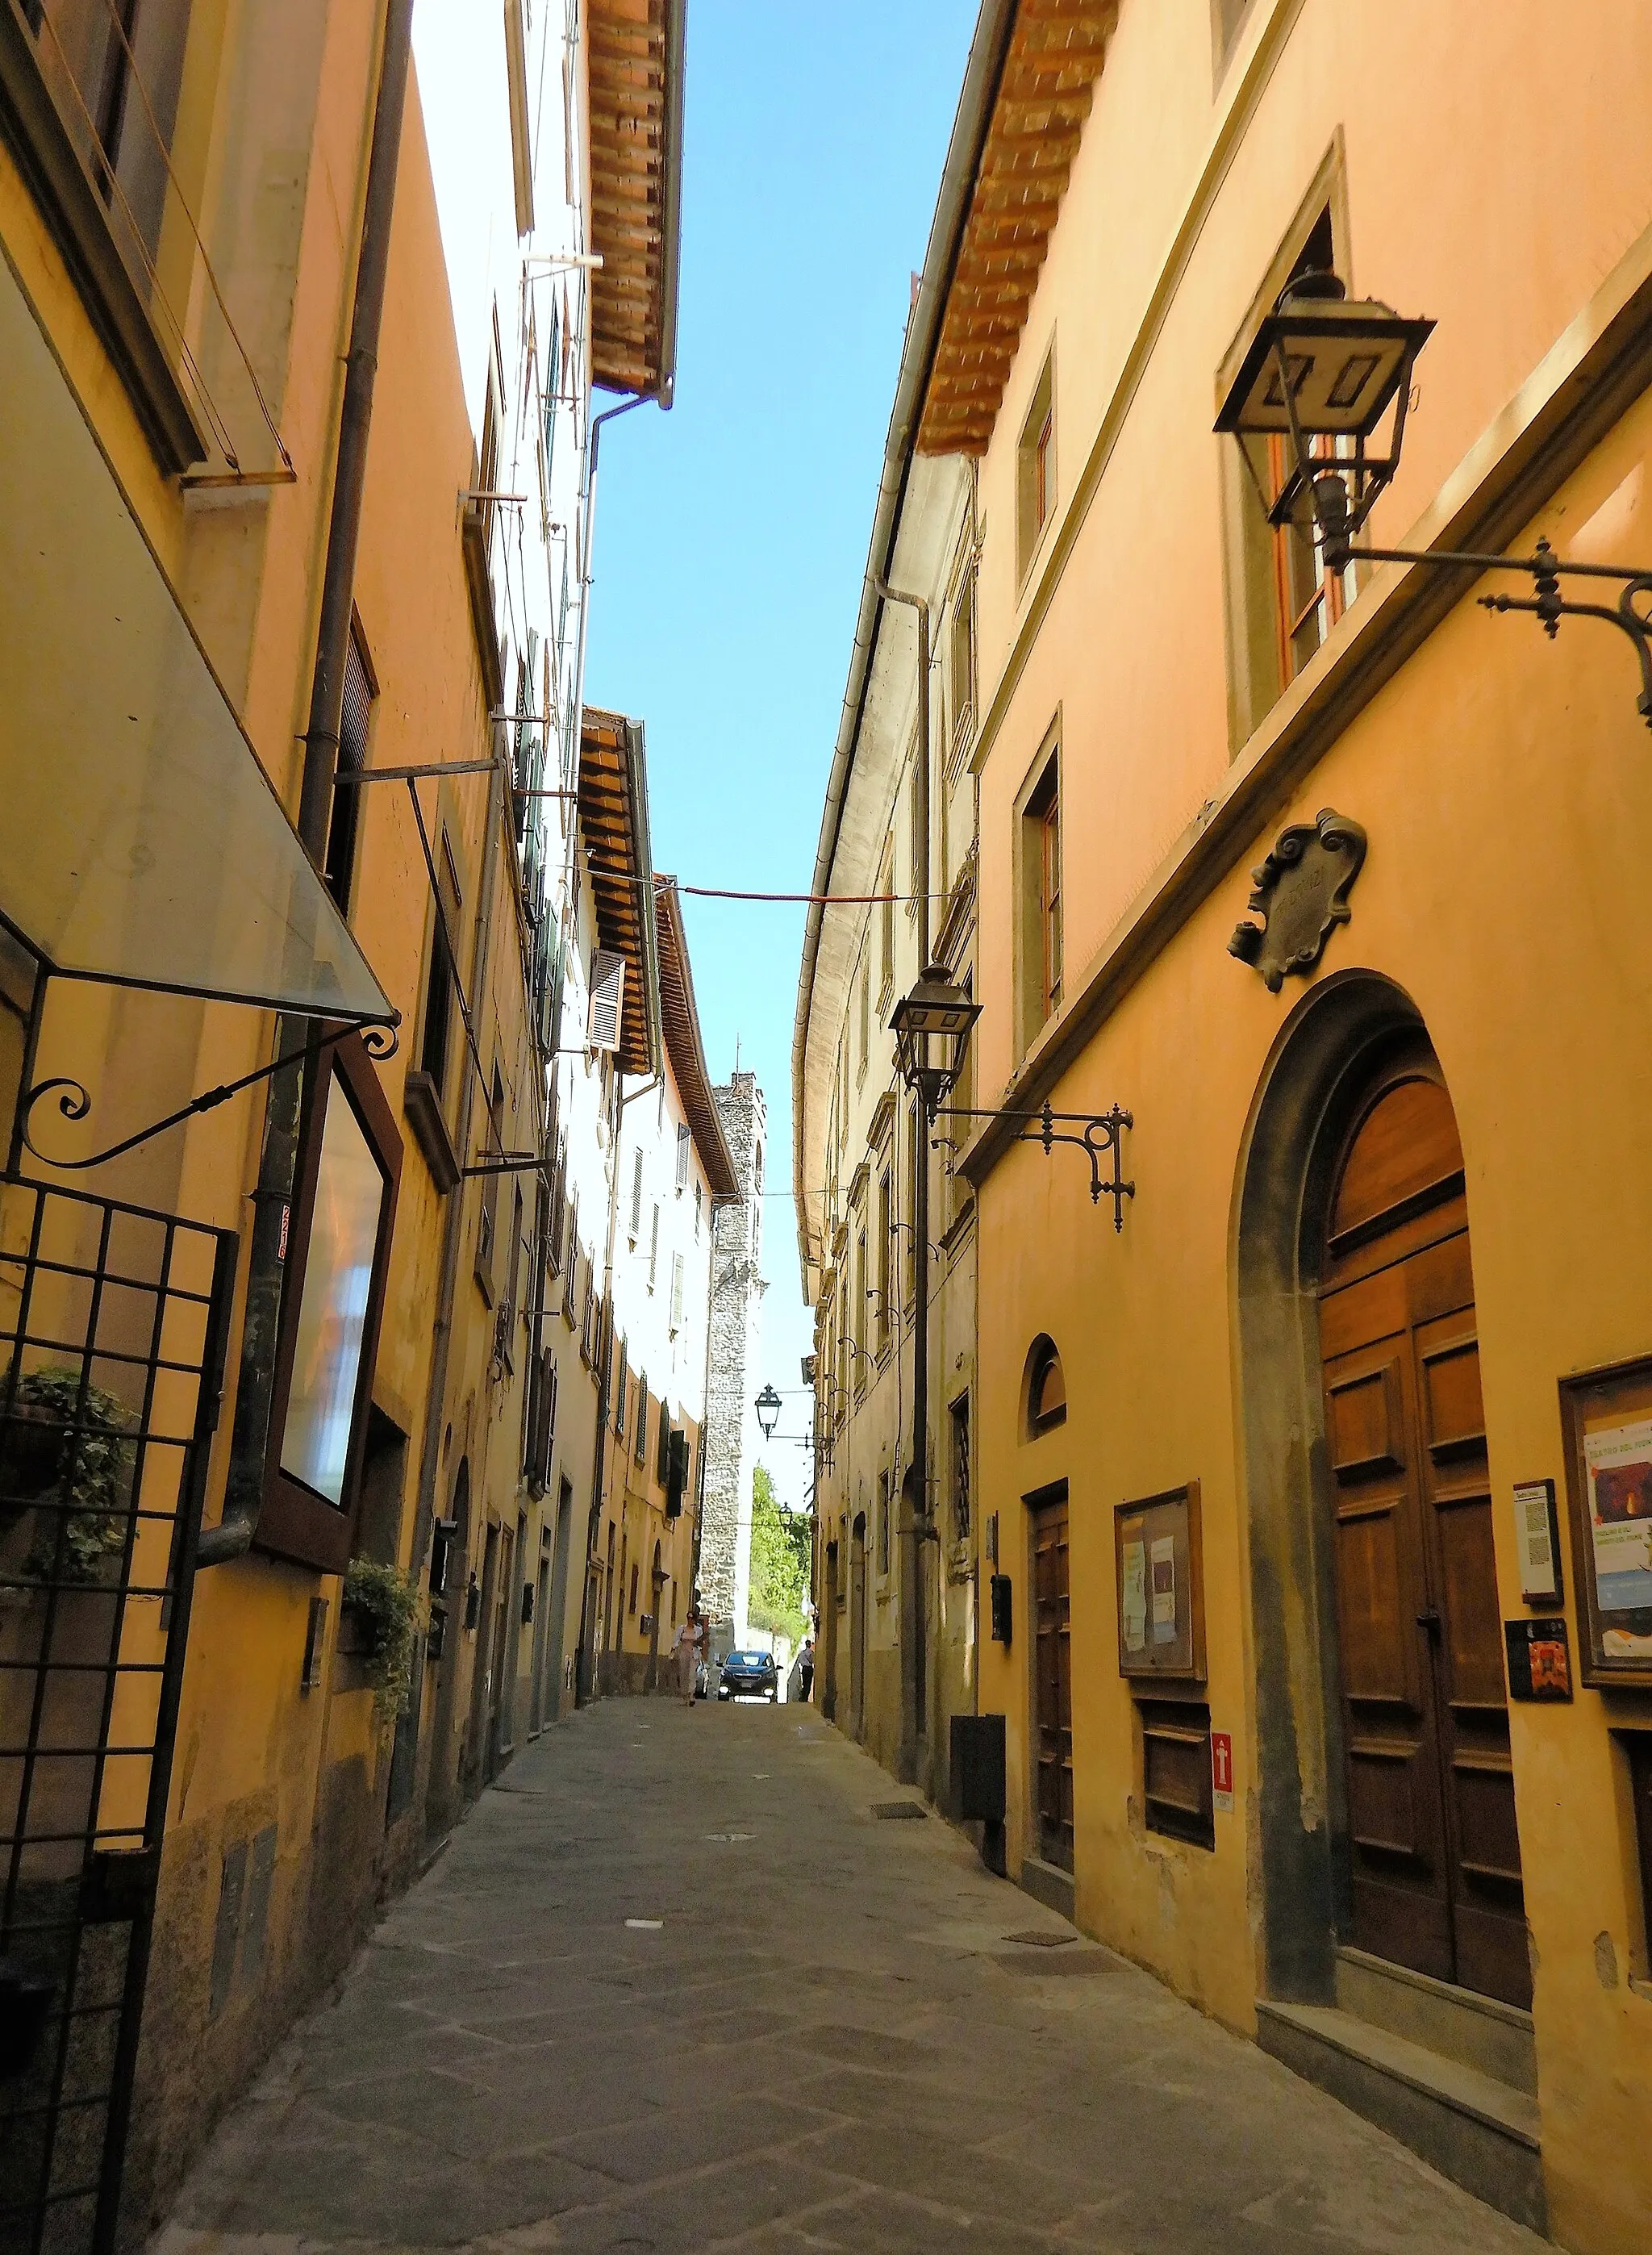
(140, 842)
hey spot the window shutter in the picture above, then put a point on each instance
(663, 1465)
(677, 1474)
(607, 989)
(653, 1251)
(636, 1195)
(676, 1291)
(684, 1141)
(620, 1396)
(642, 1414)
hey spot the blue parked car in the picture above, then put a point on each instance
(751, 1675)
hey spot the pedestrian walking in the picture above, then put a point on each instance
(691, 1640)
(806, 1669)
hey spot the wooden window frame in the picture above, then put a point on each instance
(1040, 935)
(1036, 467)
(294, 1521)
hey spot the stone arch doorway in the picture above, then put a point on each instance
(1386, 1793)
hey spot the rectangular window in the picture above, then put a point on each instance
(885, 1244)
(1176, 1788)
(342, 1214)
(684, 1143)
(344, 823)
(1637, 1746)
(884, 1479)
(915, 1160)
(961, 1469)
(1041, 937)
(640, 1438)
(654, 1249)
(662, 1464)
(435, 1030)
(865, 1017)
(1035, 470)
(487, 1216)
(117, 97)
(636, 1195)
(1282, 602)
(886, 931)
(699, 1209)
(860, 1304)
(621, 1389)
(676, 1292)
(961, 660)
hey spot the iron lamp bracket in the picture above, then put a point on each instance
(1098, 1134)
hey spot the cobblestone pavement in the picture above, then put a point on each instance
(673, 1987)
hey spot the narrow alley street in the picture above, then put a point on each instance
(675, 1985)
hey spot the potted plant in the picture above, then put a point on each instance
(389, 1610)
(70, 1449)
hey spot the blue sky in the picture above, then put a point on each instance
(730, 534)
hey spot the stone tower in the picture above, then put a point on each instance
(730, 1436)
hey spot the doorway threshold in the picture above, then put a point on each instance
(1048, 1884)
(1450, 2074)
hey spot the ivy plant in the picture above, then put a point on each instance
(83, 1463)
(390, 1608)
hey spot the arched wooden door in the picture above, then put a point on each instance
(1434, 1850)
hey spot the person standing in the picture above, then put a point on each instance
(806, 1669)
(691, 1640)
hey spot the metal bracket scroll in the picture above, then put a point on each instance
(1101, 1139)
(378, 1037)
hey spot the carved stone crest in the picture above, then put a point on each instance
(1301, 894)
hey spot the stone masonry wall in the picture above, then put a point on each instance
(736, 1291)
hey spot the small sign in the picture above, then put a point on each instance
(1539, 1659)
(1536, 1539)
(1221, 1771)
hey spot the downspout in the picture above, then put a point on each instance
(277, 1166)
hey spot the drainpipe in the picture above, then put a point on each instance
(277, 1165)
(914, 1656)
(453, 1239)
(605, 1376)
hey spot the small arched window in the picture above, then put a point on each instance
(1047, 1388)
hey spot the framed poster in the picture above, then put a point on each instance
(1607, 1420)
(1158, 1560)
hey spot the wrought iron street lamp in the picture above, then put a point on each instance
(935, 1010)
(767, 1406)
(1323, 373)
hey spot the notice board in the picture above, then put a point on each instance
(1158, 1560)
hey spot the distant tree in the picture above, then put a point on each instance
(781, 1542)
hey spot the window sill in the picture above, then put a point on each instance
(422, 1103)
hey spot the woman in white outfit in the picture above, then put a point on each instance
(691, 1641)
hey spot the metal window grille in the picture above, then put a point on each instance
(113, 1322)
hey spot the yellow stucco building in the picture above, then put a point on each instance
(279, 1350)
(1326, 878)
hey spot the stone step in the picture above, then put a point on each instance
(1049, 1885)
(1480, 2131)
(1477, 2032)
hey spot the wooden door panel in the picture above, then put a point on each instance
(1471, 1624)
(1383, 1816)
(1440, 1279)
(1376, 1607)
(1358, 1315)
(1484, 1792)
(1364, 1422)
(1454, 1413)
